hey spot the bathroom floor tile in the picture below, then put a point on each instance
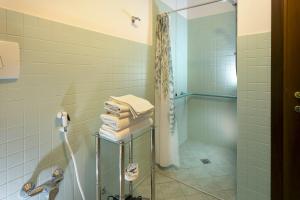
(217, 178)
(199, 197)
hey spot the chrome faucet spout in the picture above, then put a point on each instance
(51, 187)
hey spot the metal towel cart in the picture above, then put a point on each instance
(129, 140)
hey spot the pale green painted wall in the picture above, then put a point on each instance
(254, 117)
(62, 68)
(211, 70)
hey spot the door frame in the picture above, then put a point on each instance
(277, 99)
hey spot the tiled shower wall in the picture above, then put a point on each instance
(211, 54)
(62, 68)
(254, 110)
(212, 70)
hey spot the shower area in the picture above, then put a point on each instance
(203, 54)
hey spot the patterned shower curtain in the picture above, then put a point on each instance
(167, 136)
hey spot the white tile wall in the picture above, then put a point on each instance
(254, 110)
(62, 68)
(212, 70)
(211, 54)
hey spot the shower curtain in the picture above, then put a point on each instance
(167, 135)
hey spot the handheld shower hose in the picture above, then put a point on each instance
(64, 129)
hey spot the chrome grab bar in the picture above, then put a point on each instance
(203, 95)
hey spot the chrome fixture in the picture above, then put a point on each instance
(297, 109)
(134, 19)
(182, 94)
(50, 188)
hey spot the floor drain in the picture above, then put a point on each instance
(205, 161)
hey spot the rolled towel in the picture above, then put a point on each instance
(136, 105)
(107, 132)
(116, 107)
(117, 124)
(132, 172)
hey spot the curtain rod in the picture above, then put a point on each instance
(194, 6)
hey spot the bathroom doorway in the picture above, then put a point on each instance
(285, 100)
(203, 55)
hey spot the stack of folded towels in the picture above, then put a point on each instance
(125, 115)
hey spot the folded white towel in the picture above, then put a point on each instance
(107, 132)
(120, 115)
(118, 124)
(116, 107)
(136, 105)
